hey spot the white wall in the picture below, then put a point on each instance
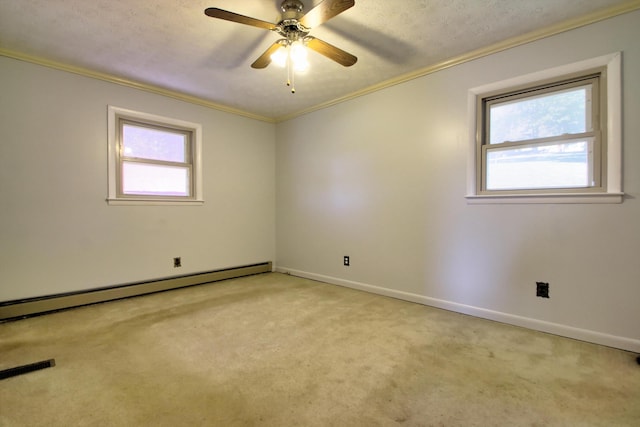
(57, 233)
(381, 178)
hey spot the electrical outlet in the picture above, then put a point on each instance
(542, 289)
(346, 260)
(177, 262)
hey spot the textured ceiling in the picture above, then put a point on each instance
(172, 45)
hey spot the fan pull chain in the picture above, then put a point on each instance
(288, 67)
(290, 72)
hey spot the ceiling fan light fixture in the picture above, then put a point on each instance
(279, 57)
(298, 51)
(298, 54)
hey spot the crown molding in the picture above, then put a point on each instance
(470, 56)
(130, 83)
(480, 53)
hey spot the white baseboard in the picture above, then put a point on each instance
(623, 343)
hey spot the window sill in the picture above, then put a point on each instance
(154, 202)
(551, 198)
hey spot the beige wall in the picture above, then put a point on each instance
(57, 233)
(382, 178)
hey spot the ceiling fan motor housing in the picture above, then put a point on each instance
(289, 26)
(291, 6)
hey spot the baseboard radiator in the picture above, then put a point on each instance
(11, 310)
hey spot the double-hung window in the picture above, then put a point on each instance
(540, 138)
(550, 137)
(153, 159)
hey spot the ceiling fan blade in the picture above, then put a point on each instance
(330, 51)
(214, 12)
(265, 59)
(325, 11)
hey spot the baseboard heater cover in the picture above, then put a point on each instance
(10, 310)
(25, 369)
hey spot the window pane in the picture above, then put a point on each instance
(155, 180)
(155, 144)
(560, 165)
(541, 116)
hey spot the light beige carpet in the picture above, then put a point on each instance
(275, 350)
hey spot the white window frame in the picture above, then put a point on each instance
(611, 192)
(115, 196)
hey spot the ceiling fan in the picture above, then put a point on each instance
(294, 27)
